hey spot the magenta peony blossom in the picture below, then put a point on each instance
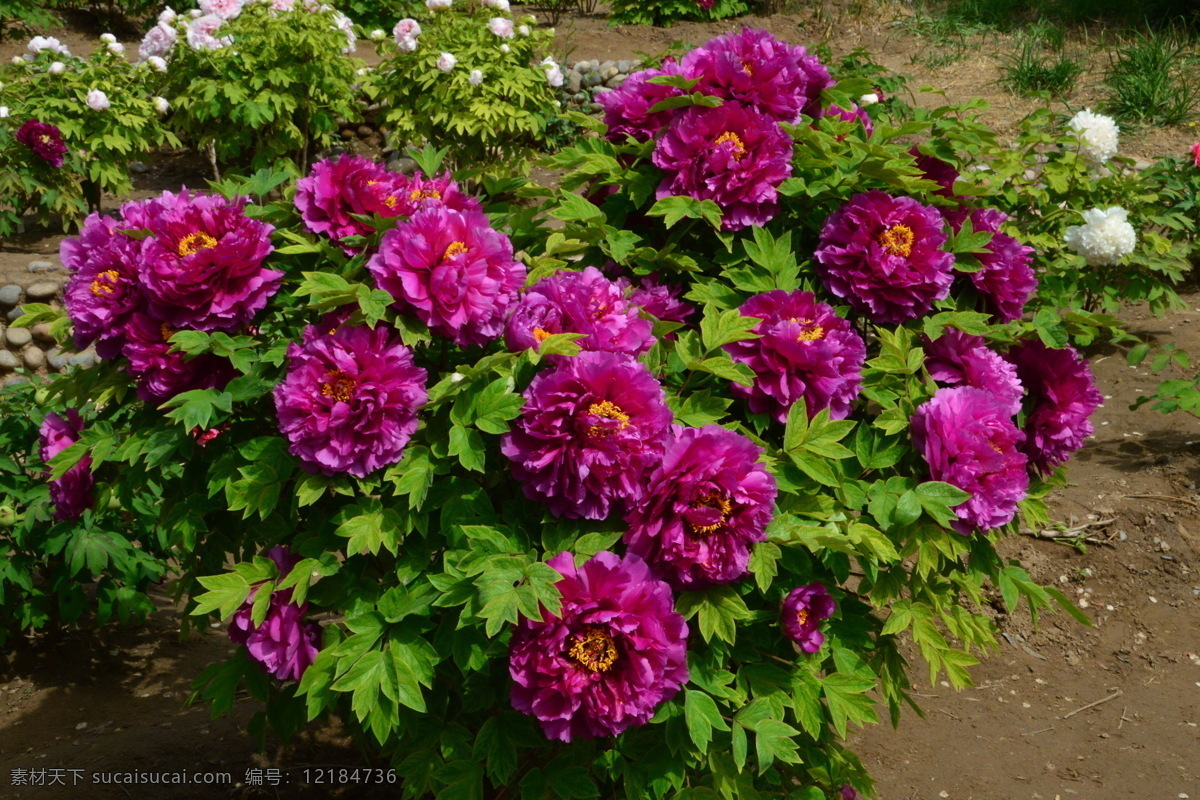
(203, 266)
(615, 652)
(661, 300)
(349, 401)
(103, 290)
(855, 114)
(1006, 281)
(1196, 154)
(45, 140)
(960, 359)
(420, 192)
(452, 271)
(71, 494)
(938, 171)
(1062, 395)
(157, 42)
(161, 374)
(337, 188)
(968, 439)
(805, 350)
(627, 108)
(579, 302)
(703, 508)
(801, 615)
(883, 255)
(284, 645)
(732, 155)
(591, 429)
(756, 69)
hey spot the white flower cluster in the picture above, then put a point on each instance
(475, 78)
(1098, 136)
(1105, 237)
(39, 43)
(97, 100)
(554, 73)
(446, 62)
(405, 33)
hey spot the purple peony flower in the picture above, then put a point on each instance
(284, 645)
(203, 266)
(661, 300)
(968, 439)
(615, 652)
(337, 188)
(855, 114)
(883, 255)
(579, 302)
(71, 494)
(756, 69)
(420, 192)
(805, 350)
(1062, 396)
(938, 171)
(591, 429)
(161, 374)
(103, 289)
(45, 140)
(627, 108)
(732, 155)
(703, 508)
(349, 401)
(452, 271)
(1006, 281)
(801, 615)
(960, 359)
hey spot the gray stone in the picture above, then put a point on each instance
(600, 90)
(591, 79)
(56, 358)
(365, 131)
(42, 290)
(403, 165)
(605, 65)
(10, 295)
(16, 312)
(34, 358)
(138, 167)
(18, 337)
(608, 73)
(41, 332)
(42, 266)
(8, 360)
(615, 81)
(15, 380)
(85, 359)
(581, 97)
(584, 66)
(626, 66)
(593, 108)
(574, 81)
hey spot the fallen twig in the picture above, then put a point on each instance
(1123, 720)
(948, 714)
(1184, 500)
(1115, 694)
(1040, 730)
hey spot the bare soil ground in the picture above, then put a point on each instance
(113, 700)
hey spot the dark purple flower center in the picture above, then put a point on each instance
(194, 243)
(593, 649)
(455, 249)
(897, 240)
(738, 149)
(708, 514)
(607, 410)
(339, 386)
(106, 282)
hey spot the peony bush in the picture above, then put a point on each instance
(636, 489)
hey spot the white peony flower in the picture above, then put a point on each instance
(158, 63)
(868, 100)
(39, 43)
(201, 33)
(523, 30)
(499, 5)
(57, 68)
(225, 9)
(116, 48)
(167, 16)
(3, 112)
(97, 100)
(501, 26)
(195, 13)
(475, 78)
(505, 48)
(446, 62)
(378, 35)
(107, 38)
(1105, 237)
(434, 5)
(1098, 137)
(346, 25)
(161, 105)
(18, 60)
(554, 73)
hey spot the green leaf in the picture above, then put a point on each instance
(467, 444)
(702, 715)
(720, 609)
(673, 209)
(773, 740)
(847, 700)
(719, 328)
(226, 593)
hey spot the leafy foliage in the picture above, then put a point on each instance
(663, 12)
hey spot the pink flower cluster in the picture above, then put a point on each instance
(284, 645)
(187, 261)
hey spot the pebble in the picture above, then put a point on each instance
(42, 290)
(41, 332)
(627, 66)
(608, 73)
(10, 295)
(15, 380)
(85, 359)
(18, 337)
(584, 66)
(574, 82)
(592, 79)
(15, 313)
(365, 131)
(35, 358)
(615, 81)
(403, 164)
(56, 358)
(607, 65)
(347, 133)
(139, 167)
(42, 266)
(8, 360)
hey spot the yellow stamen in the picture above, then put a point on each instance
(391, 202)
(541, 334)
(455, 248)
(338, 385)
(739, 149)
(995, 446)
(714, 501)
(106, 282)
(594, 649)
(194, 243)
(372, 183)
(166, 331)
(897, 240)
(417, 195)
(607, 410)
(802, 617)
(747, 68)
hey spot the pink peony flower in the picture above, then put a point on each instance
(1196, 154)
(405, 33)
(579, 302)
(883, 255)
(755, 69)
(805, 350)
(732, 155)
(968, 439)
(203, 266)
(627, 108)
(349, 401)
(418, 191)
(225, 9)
(71, 494)
(446, 62)
(158, 41)
(501, 26)
(284, 645)
(591, 429)
(960, 359)
(660, 300)
(201, 33)
(452, 271)
(615, 652)
(802, 612)
(703, 509)
(938, 171)
(161, 374)
(1062, 396)
(337, 188)
(97, 100)
(103, 289)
